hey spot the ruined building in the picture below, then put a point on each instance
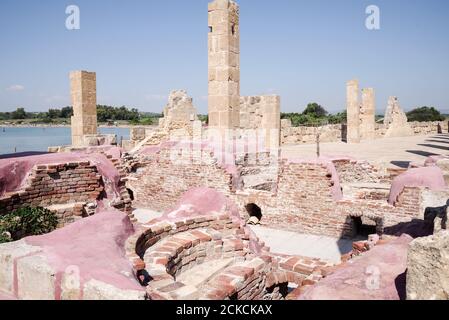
(195, 239)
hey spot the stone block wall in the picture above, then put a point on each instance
(334, 133)
(426, 128)
(307, 135)
(84, 101)
(417, 128)
(224, 65)
(262, 113)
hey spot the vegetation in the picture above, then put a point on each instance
(203, 118)
(424, 114)
(314, 114)
(26, 221)
(105, 114)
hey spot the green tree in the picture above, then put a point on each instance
(315, 110)
(424, 114)
(66, 112)
(20, 113)
(338, 118)
(54, 113)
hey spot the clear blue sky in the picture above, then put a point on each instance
(303, 50)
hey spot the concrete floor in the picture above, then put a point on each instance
(145, 215)
(391, 152)
(292, 243)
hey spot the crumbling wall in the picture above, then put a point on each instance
(350, 171)
(179, 114)
(304, 202)
(69, 185)
(395, 120)
(162, 179)
(308, 135)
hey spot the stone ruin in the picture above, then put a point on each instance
(198, 243)
(179, 112)
(395, 120)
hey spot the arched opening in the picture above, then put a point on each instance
(254, 212)
(363, 227)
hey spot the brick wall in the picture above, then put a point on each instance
(67, 184)
(161, 182)
(65, 189)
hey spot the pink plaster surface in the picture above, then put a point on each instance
(14, 171)
(95, 246)
(350, 281)
(198, 202)
(430, 177)
(4, 296)
(432, 160)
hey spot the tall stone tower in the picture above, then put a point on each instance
(353, 111)
(224, 65)
(84, 102)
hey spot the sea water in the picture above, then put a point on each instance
(24, 139)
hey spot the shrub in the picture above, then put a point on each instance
(27, 221)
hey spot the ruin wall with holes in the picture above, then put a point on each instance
(303, 196)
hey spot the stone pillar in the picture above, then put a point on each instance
(271, 121)
(224, 65)
(84, 102)
(353, 111)
(368, 115)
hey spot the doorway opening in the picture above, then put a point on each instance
(363, 227)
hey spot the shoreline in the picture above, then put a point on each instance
(67, 126)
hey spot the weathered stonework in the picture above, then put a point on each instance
(367, 114)
(353, 112)
(84, 101)
(396, 121)
(179, 114)
(262, 114)
(224, 65)
(428, 272)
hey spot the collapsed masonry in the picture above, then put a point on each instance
(200, 246)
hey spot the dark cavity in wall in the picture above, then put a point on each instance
(362, 228)
(254, 211)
